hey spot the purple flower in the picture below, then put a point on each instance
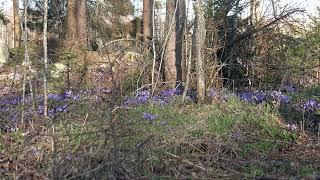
(4, 109)
(40, 109)
(130, 102)
(171, 92)
(76, 97)
(62, 108)
(149, 116)
(285, 99)
(310, 105)
(10, 100)
(143, 96)
(168, 93)
(236, 136)
(58, 109)
(260, 97)
(35, 151)
(247, 96)
(67, 94)
(159, 101)
(286, 87)
(57, 97)
(68, 157)
(278, 96)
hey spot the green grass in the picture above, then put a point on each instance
(255, 171)
(215, 119)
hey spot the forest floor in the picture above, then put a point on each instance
(92, 134)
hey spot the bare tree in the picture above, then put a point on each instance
(199, 35)
(45, 53)
(16, 24)
(77, 22)
(27, 66)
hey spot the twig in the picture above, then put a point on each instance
(141, 144)
(186, 161)
(84, 122)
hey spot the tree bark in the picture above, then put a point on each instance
(45, 54)
(175, 17)
(16, 23)
(180, 26)
(147, 20)
(254, 11)
(170, 59)
(232, 57)
(77, 22)
(199, 35)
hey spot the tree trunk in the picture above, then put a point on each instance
(232, 57)
(180, 26)
(147, 20)
(175, 17)
(16, 23)
(77, 22)
(170, 59)
(45, 53)
(199, 35)
(254, 11)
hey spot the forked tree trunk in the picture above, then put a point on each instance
(77, 22)
(199, 35)
(16, 23)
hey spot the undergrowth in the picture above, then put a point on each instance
(94, 139)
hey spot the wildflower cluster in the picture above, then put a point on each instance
(253, 97)
(288, 88)
(162, 99)
(10, 100)
(144, 96)
(141, 97)
(279, 97)
(57, 103)
(150, 117)
(260, 97)
(311, 105)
